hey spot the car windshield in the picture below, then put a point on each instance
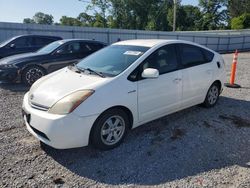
(50, 47)
(113, 59)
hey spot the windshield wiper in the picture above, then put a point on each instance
(96, 72)
(90, 70)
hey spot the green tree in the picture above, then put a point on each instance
(28, 21)
(65, 20)
(86, 19)
(238, 7)
(141, 14)
(187, 18)
(241, 22)
(101, 9)
(41, 18)
(214, 14)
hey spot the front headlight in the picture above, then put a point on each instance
(67, 104)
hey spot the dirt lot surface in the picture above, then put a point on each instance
(196, 147)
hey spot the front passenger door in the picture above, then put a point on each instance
(160, 96)
(64, 56)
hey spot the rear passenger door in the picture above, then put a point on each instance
(197, 73)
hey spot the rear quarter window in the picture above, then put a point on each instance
(208, 55)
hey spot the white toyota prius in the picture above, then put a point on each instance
(119, 88)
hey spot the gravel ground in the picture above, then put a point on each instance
(196, 147)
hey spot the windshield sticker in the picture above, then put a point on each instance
(136, 53)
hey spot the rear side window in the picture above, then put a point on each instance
(192, 55)
(42, 41)
(95, 46)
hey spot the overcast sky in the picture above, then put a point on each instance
(17, 10)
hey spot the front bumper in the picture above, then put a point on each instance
(57, 131)
(8, 74)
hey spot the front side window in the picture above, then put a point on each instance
(21, 42)
(113, 59)
(191, 55)
(71, 48)
(50, 47)
(163, 59)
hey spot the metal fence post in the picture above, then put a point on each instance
(206, 41)
(218, 44)
(136, 37)
(108, 36)
(243, 43)
(73, 33)
(228, 43)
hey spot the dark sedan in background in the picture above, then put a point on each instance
(29, 67)
(24, 44)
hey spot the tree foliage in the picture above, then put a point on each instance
(28, 21)
(70, 21)
(238, 7)
(156, 15)
(214, 14)
(40, 18)
(241, 22)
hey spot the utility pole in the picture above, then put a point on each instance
(174, 21)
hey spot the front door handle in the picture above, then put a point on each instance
(209, 71)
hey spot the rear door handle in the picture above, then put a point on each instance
(177, 80)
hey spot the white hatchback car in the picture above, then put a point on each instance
(119, 88)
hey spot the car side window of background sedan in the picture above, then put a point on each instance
(164, 60)
(71, 48)
(21, 42)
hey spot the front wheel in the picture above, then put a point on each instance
(212, 95)
(110, 129)
(32, 74)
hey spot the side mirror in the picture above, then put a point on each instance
(12, 46)
(57, 52)
(150, 73)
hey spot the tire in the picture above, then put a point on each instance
(110, 123)
(32, 74)
(212, 95)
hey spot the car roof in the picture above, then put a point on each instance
(32, 35)
(149, 42)
(83, 40)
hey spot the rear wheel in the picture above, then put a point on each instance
(32, 74)
(110, 129)
(212, 95)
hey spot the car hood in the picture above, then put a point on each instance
(19, 58)
(53, 87)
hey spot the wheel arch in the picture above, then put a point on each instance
(33, 65)
(125, 109)
(219, 84)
